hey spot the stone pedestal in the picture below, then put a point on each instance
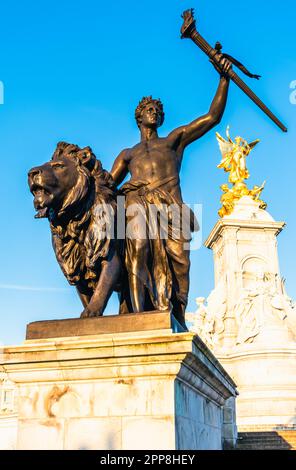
(140, 390)
(267, 386)
(248, 321)
(8, 431)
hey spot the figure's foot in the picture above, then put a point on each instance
(89, 313)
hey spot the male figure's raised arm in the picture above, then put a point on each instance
(185, 135)
(120, 167)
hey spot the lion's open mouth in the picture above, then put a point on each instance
(38, 191)
(41, 199)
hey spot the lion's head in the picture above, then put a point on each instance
(60, 185)
(70, 190)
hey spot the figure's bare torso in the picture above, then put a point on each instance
(156, 160)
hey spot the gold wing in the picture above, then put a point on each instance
(254, 143)
(225, 146)
(228, 135)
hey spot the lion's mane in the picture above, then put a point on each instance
(79, 229)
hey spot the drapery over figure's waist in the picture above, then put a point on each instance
(155, 193)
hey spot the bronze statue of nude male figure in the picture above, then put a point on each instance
(158, 270)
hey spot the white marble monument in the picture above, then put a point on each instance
(8, 414)
(248, 321)
(142, 390)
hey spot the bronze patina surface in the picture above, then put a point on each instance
(215, 54)
(158, 269)
(70, 191)
(102, 325)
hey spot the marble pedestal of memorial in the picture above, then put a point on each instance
(151, 389)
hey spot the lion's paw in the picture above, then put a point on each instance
(87, 313)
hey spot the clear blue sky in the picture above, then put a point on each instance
(76, 70)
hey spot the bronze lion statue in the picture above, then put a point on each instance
(78, 197)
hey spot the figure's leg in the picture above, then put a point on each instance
(137, 252)
(179, 260)
(125, 306)
(109, 276)
(137, 263)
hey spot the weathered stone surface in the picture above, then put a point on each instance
(145, 390)
(8, 432)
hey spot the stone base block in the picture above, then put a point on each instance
(267, 392)
(8, 432)
(143, 390)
